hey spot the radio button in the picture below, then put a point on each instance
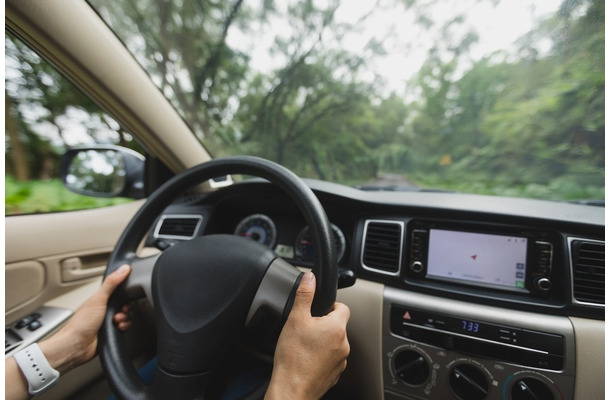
(417, 267)
(510, 336)
(543, 284)
(440, 324)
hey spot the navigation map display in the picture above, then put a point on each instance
(482, 259)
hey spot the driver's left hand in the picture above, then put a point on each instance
(76, 342)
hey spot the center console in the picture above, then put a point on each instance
(437, 348)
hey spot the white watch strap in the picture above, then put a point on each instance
(34, 365)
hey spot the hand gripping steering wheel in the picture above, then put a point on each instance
(206, 290)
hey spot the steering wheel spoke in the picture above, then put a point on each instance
(275, 294)
(138, 284)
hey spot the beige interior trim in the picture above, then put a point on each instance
(590, 358)
(26, 282)
(37, 245)
(73, 299)
(41, 235)
(363, 378)
(72, 36)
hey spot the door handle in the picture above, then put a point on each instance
(73, 269)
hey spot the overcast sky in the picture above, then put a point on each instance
(407, 43)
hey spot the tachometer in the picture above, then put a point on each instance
(259, 228)
(304, 244)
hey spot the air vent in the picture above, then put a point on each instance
(382, 246)
(588, 262)
(178, 226)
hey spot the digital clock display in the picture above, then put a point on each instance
(469, 326)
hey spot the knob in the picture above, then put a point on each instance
(543, 284)
(531, 389)
(411, 367)
(468, 382)
(417, 267)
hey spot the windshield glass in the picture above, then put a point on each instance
(498, 97)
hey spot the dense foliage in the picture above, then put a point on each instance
(37, 196)
(525, 122)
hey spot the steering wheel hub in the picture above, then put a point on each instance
(203, 289)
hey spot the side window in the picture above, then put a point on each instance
(45, 114)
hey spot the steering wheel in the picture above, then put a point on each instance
(205, 291)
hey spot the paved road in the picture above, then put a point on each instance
(385, 180)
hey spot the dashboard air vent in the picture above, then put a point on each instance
(382, 246)
(178, 226)
(588, 262)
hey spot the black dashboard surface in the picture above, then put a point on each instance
(250, 207)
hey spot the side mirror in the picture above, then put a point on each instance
(103, 171)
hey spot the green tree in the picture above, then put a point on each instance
(183, 45)
(549, 124)
(298, 114)
(41, 110)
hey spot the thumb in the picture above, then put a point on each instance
(114, 279)
(305, 293)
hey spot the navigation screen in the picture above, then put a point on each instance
(483, 259)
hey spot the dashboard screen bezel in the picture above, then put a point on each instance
(519, 241)
(418, 234)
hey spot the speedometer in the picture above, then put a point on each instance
(304, 244)
(259, 228)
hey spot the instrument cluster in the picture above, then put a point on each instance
(262, 229)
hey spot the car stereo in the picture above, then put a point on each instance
(506, 260)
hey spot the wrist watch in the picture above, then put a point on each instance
(37, 370)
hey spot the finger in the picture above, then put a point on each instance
(305, 293)
(120, 317)
(340, 311)
(124, 326)
(114, 279)
(122, 321)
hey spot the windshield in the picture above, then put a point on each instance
(498, 97)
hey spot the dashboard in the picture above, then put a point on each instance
(478, 295)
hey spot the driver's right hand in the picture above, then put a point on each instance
(311, 352)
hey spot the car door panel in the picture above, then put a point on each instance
(48, 255)
(25, 280)
(55, 262)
